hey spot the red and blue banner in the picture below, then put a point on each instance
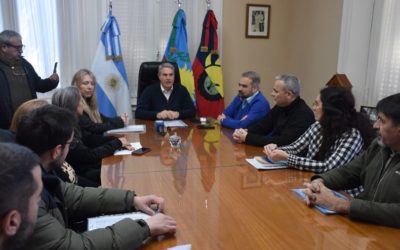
(207, 71)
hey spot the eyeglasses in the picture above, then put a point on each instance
(17, 47)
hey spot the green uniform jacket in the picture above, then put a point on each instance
(63, 201)
(380, 201)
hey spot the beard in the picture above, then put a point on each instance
(24, 231)
(57, 163)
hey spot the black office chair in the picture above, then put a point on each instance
(148, 74)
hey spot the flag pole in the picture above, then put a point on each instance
(110, 6)
(179, 3)
(208, 4)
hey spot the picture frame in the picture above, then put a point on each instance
(258, 21)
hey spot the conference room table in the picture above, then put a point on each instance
(221, 202)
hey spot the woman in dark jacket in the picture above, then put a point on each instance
(86, 153)
(92, 120)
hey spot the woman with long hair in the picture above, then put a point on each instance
(85, 156)
(66, 172)
(85, 81)
(338, 135)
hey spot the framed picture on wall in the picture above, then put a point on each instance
(257, 20)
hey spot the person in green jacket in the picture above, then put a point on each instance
(377, 170)
(48, 131)
(20, 188)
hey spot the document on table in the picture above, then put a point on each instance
(261, 163)
(108, 220)
(135, 145)
(128, 129)
(175, 124)
(181, 247)
(301, 193)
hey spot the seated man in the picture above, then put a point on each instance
(377, 170)
(286, 121)
(48, 131)
(248, 107)
(167, 100)
(20, 188)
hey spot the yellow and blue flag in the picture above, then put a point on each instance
(177, 51)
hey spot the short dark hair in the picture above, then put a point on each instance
(44, 128)
(390, 107)
(253, 76)
(17, 183)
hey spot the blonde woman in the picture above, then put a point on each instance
(85, 80)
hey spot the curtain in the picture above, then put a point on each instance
(68, 31)
(387, 77)
(42, 48)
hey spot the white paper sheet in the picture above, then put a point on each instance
(135, 145)
(128, 129)
(181, 247)
(108, 220)
(175, 124)
(266, 166)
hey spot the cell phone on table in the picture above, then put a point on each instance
(140, 151)
(55, 67)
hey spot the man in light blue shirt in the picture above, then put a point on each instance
(248, 107)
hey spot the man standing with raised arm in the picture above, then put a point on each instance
(18, 79)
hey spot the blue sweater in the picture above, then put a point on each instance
(255, 110)
(152, 101)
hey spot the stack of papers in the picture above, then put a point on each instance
(108, 220)
(259, 162)
(175, 124)
(135, 146)
(128, 129)
(301, 193)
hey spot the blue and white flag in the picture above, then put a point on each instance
(112, 82)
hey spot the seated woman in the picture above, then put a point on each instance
(85, 81)
(337, 136)
(66, 172)
(85, 159)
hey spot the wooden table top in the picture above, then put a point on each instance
(221, 202)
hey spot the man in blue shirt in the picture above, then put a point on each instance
(248, 107)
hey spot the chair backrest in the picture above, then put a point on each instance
(148, 74)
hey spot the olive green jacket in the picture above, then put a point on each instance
(62, 202)
(380, 201)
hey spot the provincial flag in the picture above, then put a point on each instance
(207, 71)
(177, 51)
(111, 78)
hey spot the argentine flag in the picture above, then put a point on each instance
(112, 82)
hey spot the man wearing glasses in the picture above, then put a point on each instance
(18, 80)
